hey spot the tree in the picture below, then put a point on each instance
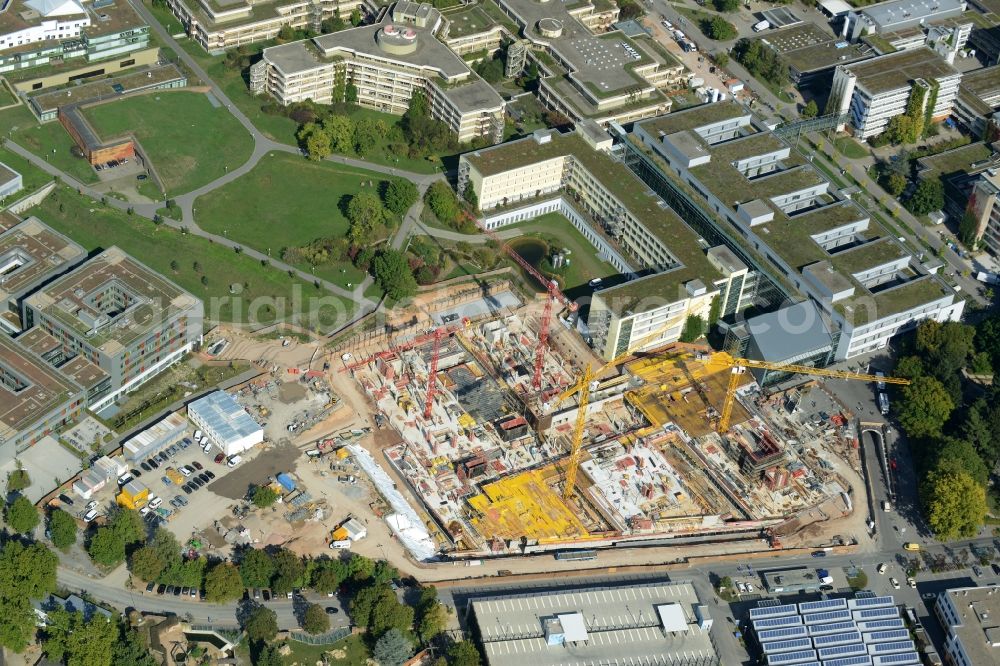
(957, 455)
(366, 213)
(694, 328)
(269, 655)
(927, 197)
(393, 275)
(469, 194)
(256, 568)
(400, 195)
(392, 649)
(288, 571)
(340, 130)
(264, 496)
(62, 529)
(316, 141)
(356, 17)
(463, 653)
(332, 24)
(898, 129)
(810, 110)
(328, 575)
(129, 651)
(762, 61)
(223, 583)
(18, 480)
(894, 183)
(105, 548)
(261, 624)
(491, 69)
(442, 202)
(286, 33)
(909, 367)
(433, 618)
(955, 504)
(720, 29)
(367, 133)
(26, 572)
(925, 407)
(969, 231)
(128, 525)
(726, 5)
(146, 563)
(315, 620)
(21, 515)
(78, 641)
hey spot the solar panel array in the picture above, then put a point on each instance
(776, 647)
(772, 611)
(774, 622)
(842, 638)
(889, 648)
(790, 658)
(864, 631)
(883, 636)
(871, 602)
(832, 628)
(824, 605)
(878, 625)
(783, 632)
(898, 659)
(842, 651)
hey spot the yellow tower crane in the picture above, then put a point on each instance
(739, 365)
(719, 359)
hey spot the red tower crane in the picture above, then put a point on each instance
(555, 294)
(438, 334)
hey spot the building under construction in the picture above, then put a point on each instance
(487, 452)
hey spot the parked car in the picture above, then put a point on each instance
(210, 474)
(819, 553)
(197, 465)
(180, 500)
(894, 583)
(186, 488)
(185, 470)
(145, 466)
(135, 473)
(161, 588)
(207, 448)
(65, 500)
(219, 458)
(152, 463)
(881, 568)
(234, 461)
(204, 477)
(197, 481)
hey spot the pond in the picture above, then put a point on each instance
(532, 250)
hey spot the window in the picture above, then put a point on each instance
(126, 63)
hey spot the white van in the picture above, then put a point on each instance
(343, 544)
(761, 27)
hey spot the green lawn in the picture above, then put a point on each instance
(280, 128)
(166, 18)
(189, 141)
(6, 96)
(556, 230)
(351, 651)
(850, 148)
(95, 226)
(52, 142)
(286, 201)
(31, 176)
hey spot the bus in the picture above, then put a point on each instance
(576, 555)
(883, 403)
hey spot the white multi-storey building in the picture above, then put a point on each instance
(386, 62)
(673, 275)
(971, 618)
(824, 246)
(876, 90)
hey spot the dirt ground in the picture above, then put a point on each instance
(234, 485)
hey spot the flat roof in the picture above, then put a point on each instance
(29, 388)
(694, 117)
(226, 417)
(780, 17)
(899, 11)
(806, 47)
(113, 17)
(146, 300)
(612, 625)
(470, 20)
(978, 610)
(955, 161)
(789, 332)
(429, 54)
(83, 372)
(8, 220)
(474, 95)
(898, 70)
(7, 174)
(30, 254)
(661, 221)
(982, 83)
(37, 341)
(105, 88)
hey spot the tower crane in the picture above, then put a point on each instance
(738, 366)
(436, 335)
(554, 294)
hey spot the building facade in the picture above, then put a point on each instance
(386, 62)
(821, 244)
(218, 26)
(874, 91)
(120, 316)
(672, 277)
(969, 618)
(226, 422)
(59, 30)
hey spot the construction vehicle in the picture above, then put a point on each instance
(554, 295)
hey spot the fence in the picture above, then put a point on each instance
(321, 639)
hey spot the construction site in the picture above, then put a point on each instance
(674, 444)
